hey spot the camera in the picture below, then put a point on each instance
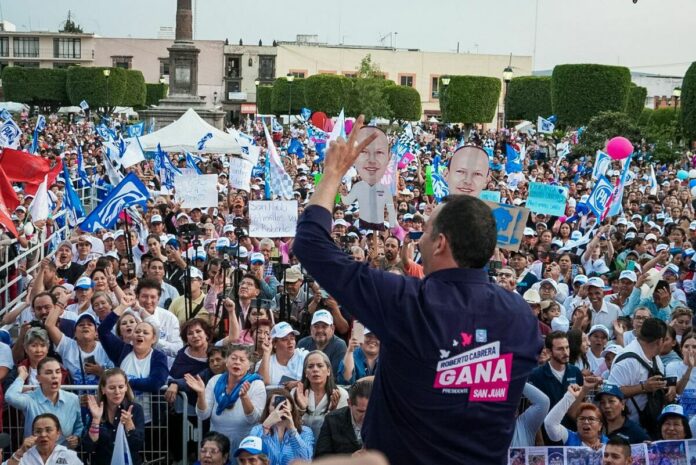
(239, 222)
(190, 230)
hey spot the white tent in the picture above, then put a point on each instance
(14, 107)
(185, 134)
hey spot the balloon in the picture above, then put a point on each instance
(682, 175)
(619, 148)
(692, 174)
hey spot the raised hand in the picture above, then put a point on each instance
(575, 390)
(244, 390)
(335, 397)
(95, 409)
(195, 383)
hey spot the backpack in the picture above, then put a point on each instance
(656, 400)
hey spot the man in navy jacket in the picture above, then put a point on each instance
(456, 349)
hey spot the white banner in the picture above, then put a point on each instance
(196, 191)
(240, 173)
(277, 218)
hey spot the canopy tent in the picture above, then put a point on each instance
(187, 134)
(14, 107)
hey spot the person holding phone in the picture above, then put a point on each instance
(281, 430)
(361, 357)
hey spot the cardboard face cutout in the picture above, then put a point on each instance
(468, 171)
(373, 196)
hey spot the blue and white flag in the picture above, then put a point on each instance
(296, 147)
(545, 126)
(191, 163)
(9, 134)
(5, 115)
(165, 168)
(204, 140)
(339, 130)
(601, 165)
(514, 160)
(106, 133)
(280, 180)
(151, 126)
(136, 130)
(71, 200)
(112, 164)
(40, 126)
(440, 187)
(305, 113)
(652, 181)
(276, 126)
(84, 105)
(615, 205)
(121, 454)
(600, 195)
(80, 166)
(130, 191)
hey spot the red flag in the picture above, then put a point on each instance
(22, 166)
(8, 196)
(31, 188)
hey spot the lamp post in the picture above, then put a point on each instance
(290, 78)
(676, 93)
(445, 82)
(256, 97)
(107, 72)
(507, 77)
(215, 94)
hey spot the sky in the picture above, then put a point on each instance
(652, 36)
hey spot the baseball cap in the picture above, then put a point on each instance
(107, 236)
(611, 349)
(600, 266)
(622, 221)
(688, 252)
(630, 235)
(672, 409)
(257, 257)
(282, 329)
(549, 281)
(341, 222)
(610, 390)
(636, 217)
(195, 273)
(119, 233)
(156, 219)
(222, 242)
(243, 252)
(529, 232)
(557, 243)
(112, 254)
(84, 283)
(651, 237)
(672, 268)
(661, 247)
(250, 444)
(292, 275)
(580, 279)
(628, 274)
(67, 244)
(596, 282)
(532, 297)
(692, 226)
(575, 235)
(86, 315)
(183, 215)
(322, 316)
(596, 328)
(227, 228)
(560, 323)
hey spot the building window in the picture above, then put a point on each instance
(298, 74)
(62, 65)
(26, 46)
(26, 64)
(4, 46)
(125, 62)
(435, 87)
(67, 48)
(233, 69)
(266, 67)
(406, 80)
(233, 86)
(164, 66)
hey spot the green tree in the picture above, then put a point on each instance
(154, 92)
(601, 128)
(42, 87)
(580, 92)
(136, 92)
(288, 93)
(367, 96)
(663, 131)
(91, 85)
(636, 101)
(528, 97)
(644, 117)
(469, 99)
(405, 102)
(264, 97)
(688, 103)
(369, 69)
(326, 92)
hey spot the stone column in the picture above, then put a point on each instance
(184, 21)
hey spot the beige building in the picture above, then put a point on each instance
(415, 68)
(152, 58)
(244, 66)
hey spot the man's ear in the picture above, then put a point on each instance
(441, 246)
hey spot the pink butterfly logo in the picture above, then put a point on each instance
(466, 339)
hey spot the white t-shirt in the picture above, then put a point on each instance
(687, 399)
(139, 368)
(68, 349)
(292, 370)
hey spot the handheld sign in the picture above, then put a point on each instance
(277, 218)
(599, 198)
(491, 196)
(547, 199)
(510, 223)
(240, 173)
(196, 191)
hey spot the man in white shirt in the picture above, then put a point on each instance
(603, 312)
(627, 280)
(148, 294)
(155, 272)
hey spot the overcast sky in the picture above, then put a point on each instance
(655, 36)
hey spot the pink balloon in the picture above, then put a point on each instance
(348, 126)
(619, 148)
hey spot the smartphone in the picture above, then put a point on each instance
(631, 265)
(91, 360)
(277, 400)
(415, 235)
(358, 331)
(671, 380)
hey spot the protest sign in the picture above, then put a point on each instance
(240, 173)
(277, 218)
(547, 199)
(510, 223)
(196, 191)
(599, 198)
(654, 453)
(491, 196)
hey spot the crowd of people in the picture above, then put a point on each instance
(274, 363)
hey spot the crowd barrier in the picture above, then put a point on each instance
(157, 445)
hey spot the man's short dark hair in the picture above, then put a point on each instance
(662, 284)
(470, 229)
(552, 336)
(148, 284)
(653, 329)
(398, 242)
(618, 441)
(360, 389)
(53, 298)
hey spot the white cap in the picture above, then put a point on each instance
(257, 257)
(195, 273)
(601, 328)
(322, 316)
(183, 215)
(611, 349)
(596, 282)
(84, 283)
(532, 296)
(243, 252)
(119, 233)
(549, 281)
(672, 268)
(222, 242)
(560, 323)
(227, 228)
(282, 329)
(341, 222)
(581, 278)
(107, 235)
(630, 235)
(112, 254)
(661, 247)
(692, 226)
(622, 221)
(628, 274)
(156, 219)
(576, 235)
(651, 237)
(529, 232)
(600, 266)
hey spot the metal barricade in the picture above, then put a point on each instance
(157, 447)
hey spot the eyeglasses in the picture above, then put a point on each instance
(209, 451)
(588, 420)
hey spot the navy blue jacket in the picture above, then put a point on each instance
(451, 345)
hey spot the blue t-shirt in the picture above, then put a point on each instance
(575, 441)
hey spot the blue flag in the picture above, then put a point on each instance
(81, 167)
(601, 165)
(305, 113)
(137, 129)
(191, 163)
(40, 126)
(5, 115)
(165, 168)
(71, 200)
(84, 105)
(440, 188)
(267, 177)
(296, 147)
(129, 192)
(514, 161)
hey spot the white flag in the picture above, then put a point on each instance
(133, 154)
(544, 126)
(121, 454)
(39, 206)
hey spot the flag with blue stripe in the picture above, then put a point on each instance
(71, 201)
(296, 147)
(40, 126)
(652, 181)
(276, 126)
(615, 203)
(137, 129)
(9, 134)
(440, 188)
(601, 164)
(5, 115)
(84, 105)
(165, 168)
(121, 454)
(267, 192)
(191, 163)
(81, 167)
(130, 191)
(305, 113)
(281, 182)
(514, 160)
(545, 126)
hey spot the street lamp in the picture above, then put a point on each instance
(290, 78)
(445, 82)
(256, 98)
(676, 93)
(215, 94)
(507, 77)
(107, 72)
